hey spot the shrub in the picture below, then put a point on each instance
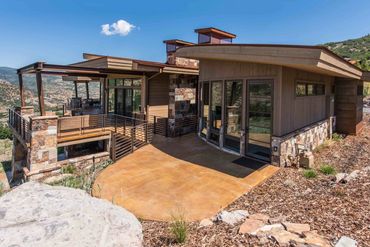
(309, 173)
(327, 169)
(71, 169)
(179, 230)
(337, 137)
(5, 132)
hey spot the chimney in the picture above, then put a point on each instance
(171, 46)
(211, 35)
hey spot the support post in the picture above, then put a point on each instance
(76, 90)
(87, 90)
(40, 93)
(21, 89)
(100, 87)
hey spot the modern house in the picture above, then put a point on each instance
(268, 102)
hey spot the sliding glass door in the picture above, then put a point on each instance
(204, 108)
(259, 118)
(215, 111)
(233, 114)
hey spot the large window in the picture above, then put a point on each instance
(309, 89)
(124, 96)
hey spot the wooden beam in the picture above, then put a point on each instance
(40, 93)
(76, 90)
(21, 89)
(87, 90)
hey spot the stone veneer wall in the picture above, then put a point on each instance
(42, 153)
(285, 148)
(83, 162)
(174, 119)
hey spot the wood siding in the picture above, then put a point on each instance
(348, 106)
(158, 95)
(298, 112)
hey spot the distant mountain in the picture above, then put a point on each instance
(354, 49)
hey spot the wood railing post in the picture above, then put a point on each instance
(113, 147)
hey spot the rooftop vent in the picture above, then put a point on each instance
(211, 35)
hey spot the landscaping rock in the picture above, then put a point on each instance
(345, 241)
(261, 217)
(352, 175)
(268, 229)
(250, 225)
(284, 238)
(341, 177)
(232, 217)
(315, 239)
(35, 214)
(205, 223)
(277, 220)
(296, 228)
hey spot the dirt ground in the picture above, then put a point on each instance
(333, 209)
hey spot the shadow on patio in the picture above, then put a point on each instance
(181, 175)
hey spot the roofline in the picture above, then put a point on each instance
(319, 47)
(216, 30)
(178, 41)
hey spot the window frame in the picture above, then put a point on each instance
(314, 88)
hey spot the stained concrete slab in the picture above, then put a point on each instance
(179, 176)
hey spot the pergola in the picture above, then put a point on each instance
(74, 73)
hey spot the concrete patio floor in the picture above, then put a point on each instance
(179, 176)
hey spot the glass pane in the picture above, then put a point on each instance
(320, 89)
(300, 89)
(119, 101)
(127, 82)
(128, 101)
(137, 82)
(112, 82)
(205, 107)
(216, 105)
(233, 113)
(310, 89)
(259, 118)
(119, 82)
(111, 102)
(137, 100)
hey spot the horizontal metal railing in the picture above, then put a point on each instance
(20, 125)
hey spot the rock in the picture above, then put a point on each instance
(277, 220)
(284, 238)
(366, 169)
(290, 183)
(346, 242)
(268, 229)
(307, 192)
(57, 178)
(352, 175)
(261, 217)
(205, 223)
(341, 177)
(296, 228)
(37, 214)
(232, 217)
(313, 238)
(250, 225)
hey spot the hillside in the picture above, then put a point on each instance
(354, 49)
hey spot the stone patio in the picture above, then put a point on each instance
(179, 176)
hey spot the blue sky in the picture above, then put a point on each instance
(59, 31)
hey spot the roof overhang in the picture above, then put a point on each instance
(310, 58)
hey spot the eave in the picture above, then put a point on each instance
(310, 58)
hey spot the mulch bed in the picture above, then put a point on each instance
(332, 209)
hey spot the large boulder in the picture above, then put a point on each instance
(36, 214)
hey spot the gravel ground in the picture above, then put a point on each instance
(332, 209)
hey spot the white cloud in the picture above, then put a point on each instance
(121, 27)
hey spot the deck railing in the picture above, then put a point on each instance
(20, 125)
